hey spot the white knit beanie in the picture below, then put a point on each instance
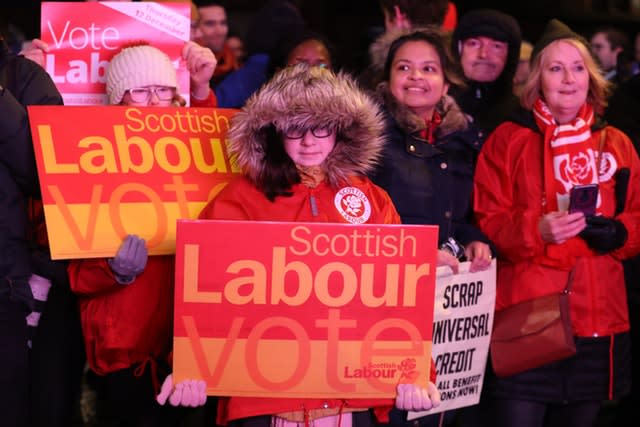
(138, 66)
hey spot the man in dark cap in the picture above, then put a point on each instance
(487, 44)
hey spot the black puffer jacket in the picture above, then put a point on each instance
(23, 83)
(431, 183)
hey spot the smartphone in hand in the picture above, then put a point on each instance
(583, 198)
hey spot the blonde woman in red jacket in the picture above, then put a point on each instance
(523, 181)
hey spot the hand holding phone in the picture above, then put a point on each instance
(583, 198)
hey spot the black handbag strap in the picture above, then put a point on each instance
(603, 136)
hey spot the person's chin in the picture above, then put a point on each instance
(307, 161)
(484, 77)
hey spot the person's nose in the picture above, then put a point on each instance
(567, 76)
(153, 98)
(416, 73)
(482, 50)
(308, 139)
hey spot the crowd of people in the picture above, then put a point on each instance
(457, 122)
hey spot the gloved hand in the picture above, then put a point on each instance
(130, 260)
(191, 393)
(411, 397)
(603, 234)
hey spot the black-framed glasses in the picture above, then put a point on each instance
(143, 94)
(298, 133)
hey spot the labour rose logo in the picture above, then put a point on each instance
(353, 205)
(580, 165)
(408, 370)
(577, 169)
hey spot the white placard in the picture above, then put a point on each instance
(462, 323)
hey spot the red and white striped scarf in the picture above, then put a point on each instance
(570, 154)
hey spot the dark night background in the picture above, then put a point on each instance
(346, 22)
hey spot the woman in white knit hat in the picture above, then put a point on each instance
(126, 302)
(144, 75)
(145, 63)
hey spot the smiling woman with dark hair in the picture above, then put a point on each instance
(429, 158)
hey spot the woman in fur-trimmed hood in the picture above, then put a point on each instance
(305, 98)
(432, 146)
(305, 142)
(315, 107)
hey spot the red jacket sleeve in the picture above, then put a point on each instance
(210, 102)
(91, 276)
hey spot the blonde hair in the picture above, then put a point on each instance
(599, 87)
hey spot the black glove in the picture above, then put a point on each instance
(604, 235)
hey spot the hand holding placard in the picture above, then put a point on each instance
(191, 393)
(130, 260)
(412, 397)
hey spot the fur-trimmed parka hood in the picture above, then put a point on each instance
(307, 97)
(453, 119)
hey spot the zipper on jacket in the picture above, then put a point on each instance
(314, 205)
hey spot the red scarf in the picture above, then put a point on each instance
(570, 154)
(428, 133)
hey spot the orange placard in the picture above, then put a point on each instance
(305, 310)
(109, 171)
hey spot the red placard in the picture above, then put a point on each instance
(109, 171)
(84, 36)
(305, 309)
